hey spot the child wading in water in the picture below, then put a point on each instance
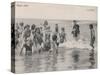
(92, 32)
(76, 30)
(27, 42)
(55, 38)
(47, 35)
(38, 39)
(62, 35)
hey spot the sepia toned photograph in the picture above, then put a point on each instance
(53, 37)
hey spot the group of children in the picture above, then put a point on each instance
(37, 39)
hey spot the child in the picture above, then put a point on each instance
(76, 30)
(38, 39)
(47, 35)
(55, 38)
(62, 35)
(92, 32)
(27, 32)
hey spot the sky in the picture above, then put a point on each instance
(54, 11)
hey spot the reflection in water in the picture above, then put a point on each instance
(66, 59)
(92, 59)
(28, 63)
(75, 56)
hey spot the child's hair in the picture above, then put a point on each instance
(91, 26)
(33, 27)
(74, 21)
(37, 29)
(27, 26)
(21, 23)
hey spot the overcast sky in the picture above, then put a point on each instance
(55, 11)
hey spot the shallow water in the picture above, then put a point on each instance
(66, 59)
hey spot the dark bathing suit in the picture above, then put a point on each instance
(28, 49)
(77, 31)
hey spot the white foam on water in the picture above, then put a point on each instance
(76, 44)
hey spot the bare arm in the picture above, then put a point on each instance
(21, 50)
(65, 37)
